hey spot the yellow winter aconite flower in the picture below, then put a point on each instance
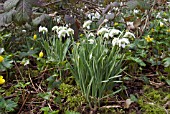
(35, 37)
(2, 81)
(152, 30)
(148, 39)
(41, 54)
(1, 59)
(168, 30)
(116, 24)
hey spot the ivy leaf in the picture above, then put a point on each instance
(9, 4)
(166, 62)
(23, 11)
(168, 82)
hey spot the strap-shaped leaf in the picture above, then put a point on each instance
(9, 4)
(24, 11)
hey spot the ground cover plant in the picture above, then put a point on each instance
(80, 56)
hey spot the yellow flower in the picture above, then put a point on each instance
(35, 37)
(41, 54)
(81, 35)
(78, 43)
(116, 24)
(168, 30)
(148, 39)
(31, 48)
(152, 30)
(2, 81)
(1, 59)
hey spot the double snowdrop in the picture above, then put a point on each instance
(43, 29)
(87, 24)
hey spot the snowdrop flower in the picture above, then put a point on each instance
(87, 24)
(135, 11)
(62, 33)
(55, 28)
(90, 35)
(43, 29)
(102, 31)
(129, 35)
(158, 15)
(161, 24)
(70, 31)
(123, 42)
(114, 32)
(105, 20)
(91, 16)
(115, 41)
(24, 31)
(97, 15)
(91, 41)
(106, 35)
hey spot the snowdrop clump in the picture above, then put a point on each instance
(93, 16)
(121, 42)
(63, 31)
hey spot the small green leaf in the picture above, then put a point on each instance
(168, 82)
(166, 62)
(133, 98)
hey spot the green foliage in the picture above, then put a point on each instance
(152, 101)
(7, 106)
(96, 69)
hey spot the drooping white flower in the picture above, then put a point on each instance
(158, 15)
(62, 33)
(55, 28)
(115, 41)
(87, 24)
(135, 11)
(161, 24)
(90, 56)
(70, 31)
(113, 32)
(123, 42)
(90, 35)
(61, 28)
(129, 35)
(97, 15)
(102, 31)
(106, 35)
(91, 41)
(43, 29)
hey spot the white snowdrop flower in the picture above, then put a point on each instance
(43, 29)
(106, 35)
(161, 24)
(61, 28)
(70, 31)
(158, 15)
(105, 20)
(91, 41)
(113, 32)
(24, 31)
(123, 42)
(115, 41)
(129, 35)
(62, 33)
(135, 11)
(165, 20)
(90, 15)
(58, 19)
(90, 35)
(102, 31)
(87, 24)
(55, 28)
(97, 15)
(115, 8)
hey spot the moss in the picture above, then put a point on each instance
(152, 101)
